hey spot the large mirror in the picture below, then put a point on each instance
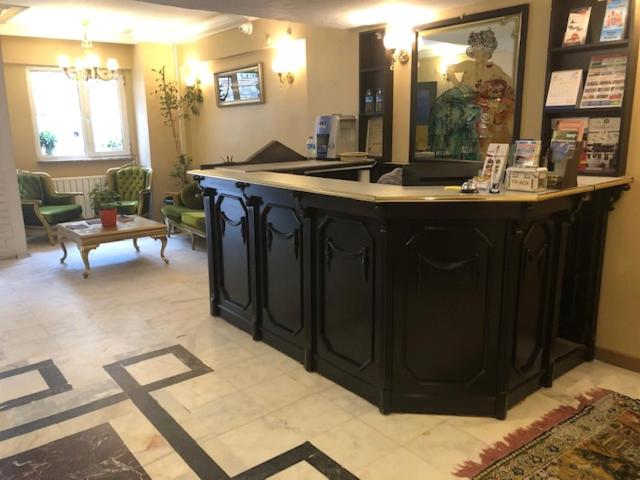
(467, 84)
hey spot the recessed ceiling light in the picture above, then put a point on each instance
(7, 12)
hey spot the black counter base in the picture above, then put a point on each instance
(449, 308)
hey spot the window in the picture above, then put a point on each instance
(78, 120)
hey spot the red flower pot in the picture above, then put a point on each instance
(108, 217)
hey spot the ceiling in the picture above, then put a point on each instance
(328, 13)
(119, 21)
(176, 21)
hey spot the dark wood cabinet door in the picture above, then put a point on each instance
(234, 254)
(532, 313)
(448, 282)
(281, 233)
(347, 328)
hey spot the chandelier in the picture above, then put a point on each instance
(88, 66)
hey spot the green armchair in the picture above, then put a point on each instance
(186, 213)
(133, 184)
(42, 206)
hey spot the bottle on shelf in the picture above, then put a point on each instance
(379, 101)
(311, 147)
(368, 101)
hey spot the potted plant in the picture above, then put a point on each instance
(48, 141)
(104, 202)
(175, 108)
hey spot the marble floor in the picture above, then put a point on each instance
(125, 375)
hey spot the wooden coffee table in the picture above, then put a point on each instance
(93, 235)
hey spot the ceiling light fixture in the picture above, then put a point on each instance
(88, 67)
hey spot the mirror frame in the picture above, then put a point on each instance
(523, 11)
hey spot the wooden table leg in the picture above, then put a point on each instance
(84, 253)
(135, 244)
(64, 251)
(163, 240)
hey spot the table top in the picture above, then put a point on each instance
(137, 226)
(379, 193)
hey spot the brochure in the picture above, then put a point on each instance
(615, 19)
(564, 88)
(605, 81)
(577, 27)
(495, 162)
(602, 143)
(527, 153)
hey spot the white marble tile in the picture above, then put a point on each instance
(354, 444)
(157, 368)
(141, 438)
(401, 464)
(446, 447)
(170, 467)
(278, 392)
(299, 471)
(200, 390)
(312, 415)
(229, 412)
(400, 427)
(348, 401)
(21, 385)
(251, 444)
(248, 373)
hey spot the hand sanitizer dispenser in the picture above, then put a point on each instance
(335, 134)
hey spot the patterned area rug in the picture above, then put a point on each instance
(598, 440)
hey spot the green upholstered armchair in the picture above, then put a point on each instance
(133, 184)
(187, 212)
(42, 206)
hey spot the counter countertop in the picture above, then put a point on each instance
(298, 165)
(377, 193)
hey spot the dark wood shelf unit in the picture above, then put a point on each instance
(375, 73)
(579, 56)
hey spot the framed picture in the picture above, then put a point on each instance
(467, 84)
(242, 86)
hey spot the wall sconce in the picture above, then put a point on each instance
(289, 58)
(399, 39)
(196, 73)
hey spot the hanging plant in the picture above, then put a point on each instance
(173, 108)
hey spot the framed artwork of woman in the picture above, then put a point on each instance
(476, 63)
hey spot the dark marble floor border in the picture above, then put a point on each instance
(306, 452)
(183, 444)
(50, 373)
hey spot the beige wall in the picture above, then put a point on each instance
(12, 238)
(21, 53)
(328, 84)
(619, 324)
(161, 153)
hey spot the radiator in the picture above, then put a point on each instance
(80, 184)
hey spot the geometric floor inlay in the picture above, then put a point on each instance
(97, 454)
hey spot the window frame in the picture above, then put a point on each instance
(86, 124)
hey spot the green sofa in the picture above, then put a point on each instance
(186, 213)
(133, 185)
(42, 206)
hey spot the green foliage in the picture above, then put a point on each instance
(173, 108)
(180, 169)
(48, 141)
(103, 198)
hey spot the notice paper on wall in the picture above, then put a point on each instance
(564, 88)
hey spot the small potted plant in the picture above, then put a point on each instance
(48, 142)
(104, 202)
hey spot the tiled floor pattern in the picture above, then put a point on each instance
(255, 405)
